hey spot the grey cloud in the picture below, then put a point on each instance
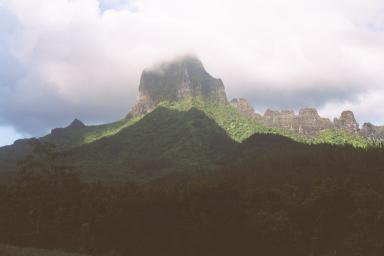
(317, 95)
(72, 60)
(32, 104)
(45, 108)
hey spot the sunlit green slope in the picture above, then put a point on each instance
(240, 127)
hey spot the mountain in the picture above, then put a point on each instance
(74, 135)
(163, 141)
(308, 123)
(159, 131)
(179, 80)
(188, 173)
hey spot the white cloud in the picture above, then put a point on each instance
(90, 58)
(8, 134)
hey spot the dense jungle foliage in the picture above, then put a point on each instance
(272, 197)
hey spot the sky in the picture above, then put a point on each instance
(66, 59)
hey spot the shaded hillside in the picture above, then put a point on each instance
(163, 141)
(236, 125)
(73, 135)
(308, 199)
(278, 148)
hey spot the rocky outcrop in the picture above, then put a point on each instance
(285, 119)
(371, 131)
(311, 124)
(76, 124)
(174, 81)
(347, 122)
(307, 122)
(245, 108)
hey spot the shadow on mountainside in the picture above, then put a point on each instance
(161, 142)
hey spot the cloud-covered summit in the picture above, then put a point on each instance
(61, 59)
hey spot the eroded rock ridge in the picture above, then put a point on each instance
(308, 122)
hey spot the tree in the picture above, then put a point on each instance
(46, 189)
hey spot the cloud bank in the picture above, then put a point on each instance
(61, 59)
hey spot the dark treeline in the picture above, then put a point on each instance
(311, 200)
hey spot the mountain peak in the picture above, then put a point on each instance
(76, 123)
(347, 122)
(177, 80)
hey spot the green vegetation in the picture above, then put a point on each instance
(343, 138)
(162, 141)
(240, 127)
(308, 199)
(237, 126)
(168, 137)
(102, 131)
(66, 138)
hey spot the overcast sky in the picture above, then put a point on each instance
(66, 59)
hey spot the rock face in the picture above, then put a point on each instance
(307, 122)
(285, 119)
(347, 122)
(311, 124)
(245, 108)
(174, 81)
(371, 131)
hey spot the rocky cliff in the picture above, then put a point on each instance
(245, 108)
(308, 122)
(371, 131)
(347, 122)
(178, 80)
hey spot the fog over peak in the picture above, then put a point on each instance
(63, 59)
